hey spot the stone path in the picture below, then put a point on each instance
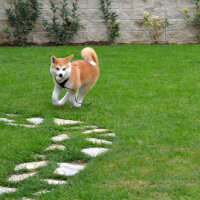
(63, 168)
(6, 190)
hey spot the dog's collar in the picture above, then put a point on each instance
(63, 83)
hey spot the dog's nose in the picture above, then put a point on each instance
(60, 75)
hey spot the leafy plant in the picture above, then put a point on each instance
(110, 19)
(64, 29)
(155, 25)
(22, 19)
(195, 20)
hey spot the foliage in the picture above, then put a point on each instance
(22, 19)
(110, 18)
(195, 20)
(155, 25)
(69, 23)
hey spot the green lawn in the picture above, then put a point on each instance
(148, 95)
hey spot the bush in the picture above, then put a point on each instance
(22, 19)
(110, 19)
(155, 25)
(69, 23)
(195, 20)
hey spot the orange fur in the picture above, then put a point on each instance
(83, 73)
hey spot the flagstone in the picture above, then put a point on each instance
(60, 138)
(20, 177)
(83, 127)
(35, 120)
(31, 165)
(98, 141)
(65, 121)
(55, 146)
(6, 120)
(94, 151)
(39, 156)
(55, 182)
(68, 169)
(95, 131)
(24, 125)
(12, 115)
(108, 134)
(27, 125)
(42, 192)
(6, 190)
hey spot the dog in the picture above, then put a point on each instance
(77, 77)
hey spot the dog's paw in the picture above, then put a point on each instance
(75, 105)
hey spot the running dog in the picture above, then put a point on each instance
(77, 77)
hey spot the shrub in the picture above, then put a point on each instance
(155, 25)
(110, 19)
(195, 20)
(22, 19)
(69, 23)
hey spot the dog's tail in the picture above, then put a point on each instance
(90, 56)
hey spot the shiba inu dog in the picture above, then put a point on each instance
(77, 77)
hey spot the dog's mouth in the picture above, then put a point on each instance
(57, 78)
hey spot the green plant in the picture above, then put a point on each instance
(110, 18)
(22, 19)
(69, 23)
(155, 25)
(195, 20)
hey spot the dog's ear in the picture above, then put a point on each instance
(68, 58)
(53, 60)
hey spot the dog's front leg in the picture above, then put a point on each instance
(73, 100)
(64, 99)
(55, 96)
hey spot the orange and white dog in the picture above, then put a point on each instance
(74, 76)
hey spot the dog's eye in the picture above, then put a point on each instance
(57, 68)
(64, 69)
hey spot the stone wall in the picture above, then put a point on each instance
(130, 15)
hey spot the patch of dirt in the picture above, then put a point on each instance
(100, 43)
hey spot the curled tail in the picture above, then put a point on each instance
(90, 56)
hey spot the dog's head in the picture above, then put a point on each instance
(60, 67)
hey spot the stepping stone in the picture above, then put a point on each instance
(20, 177)
(35, 120)
(40, 156)
(31, 165)
(6, 120)
(98, 141)
(55, 182)
(41, 192)
(26, 198)
(60, 138)
(24, 125)
(6, 190)
(65, 121)
(83, 127)
(108, 134)
(68, 169)
(94, 151)
(95, 130)
(55, 146)
(12, 115)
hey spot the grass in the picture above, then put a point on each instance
(148, 95)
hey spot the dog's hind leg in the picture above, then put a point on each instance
(83, 91)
